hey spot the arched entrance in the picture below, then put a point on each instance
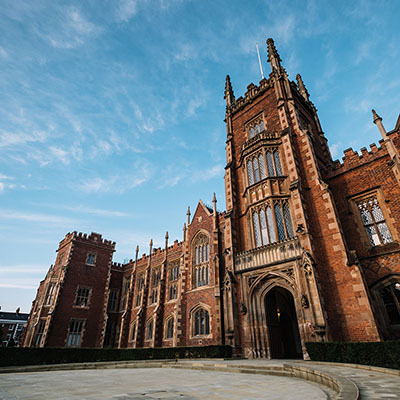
(283, 329)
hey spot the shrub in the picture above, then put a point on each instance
(378, 354)
(12, 356)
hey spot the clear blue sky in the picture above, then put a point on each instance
(111, 116)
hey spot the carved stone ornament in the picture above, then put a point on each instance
(243, 308)
(304, 301)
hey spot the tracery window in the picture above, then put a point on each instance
(149, 330)
(201, 322)
(390, 295)
(139, 290)
(256, 127)
(50, 294)
(169, 332)
(374, 221)
(256, 169)
(272, 223)
(274, 163)
(200, 270)
(155, 280)
(40, 332)
(173, 276)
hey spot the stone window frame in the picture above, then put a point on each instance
(91, 259)
(140, 284)
(192, 317)
(149, 322)
(382, 313)
(169, 319)
(268, 168)
(82, 322)
(154, 285)
(353, 204)
(133, 331)
(115, 300)
(50, 294)
(173, 274)
(126, 284)
(287, 220)
(257, 121)
(39, 332)
(88, 297)
(201, 271)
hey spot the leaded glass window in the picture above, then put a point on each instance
(149, 330)
(256, 169)
(169, 333)
(277, 160)
(200, 268)
(201, 322)
(288, 220)
(270, 164)
(374, 221)
(75, 332)
(270, 223)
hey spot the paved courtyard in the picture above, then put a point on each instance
(178, 381)
(153, 383)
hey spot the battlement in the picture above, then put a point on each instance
(93, 238)
(252, 92)
(352, 159)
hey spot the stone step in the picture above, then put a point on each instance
(238, 369)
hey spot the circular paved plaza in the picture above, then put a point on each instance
(153, 383)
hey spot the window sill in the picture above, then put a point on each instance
(200, 288)
(80, 307)
(384, 248)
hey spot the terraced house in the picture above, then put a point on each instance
(307, 249)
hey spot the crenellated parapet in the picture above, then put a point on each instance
(253, 91)
(352, 159)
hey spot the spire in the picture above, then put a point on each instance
(229, 96)
(214, 204)
(273, 56)
(302, 89)
(166, 239)
(137, 252)
(151, 245)
(378, 123)
(188, 216)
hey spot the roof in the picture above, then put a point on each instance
(13, 316)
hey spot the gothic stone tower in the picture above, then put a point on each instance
(289, 276)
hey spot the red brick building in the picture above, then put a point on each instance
(307, 249)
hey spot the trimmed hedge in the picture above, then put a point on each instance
(378, 354)
(12, 356)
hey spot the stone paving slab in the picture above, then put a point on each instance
(153, 383)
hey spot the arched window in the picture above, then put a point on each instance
(149, 330)
(270, 223)
(200, 272)
(169, 332)
(256, 169)
(274, 163)
(201, 322)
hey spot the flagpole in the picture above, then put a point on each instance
(259, 62)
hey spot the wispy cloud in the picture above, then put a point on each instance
(69, 29)
(37, 218)
(23, 269)
(126, 10)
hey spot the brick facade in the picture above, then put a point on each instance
(307, 249)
